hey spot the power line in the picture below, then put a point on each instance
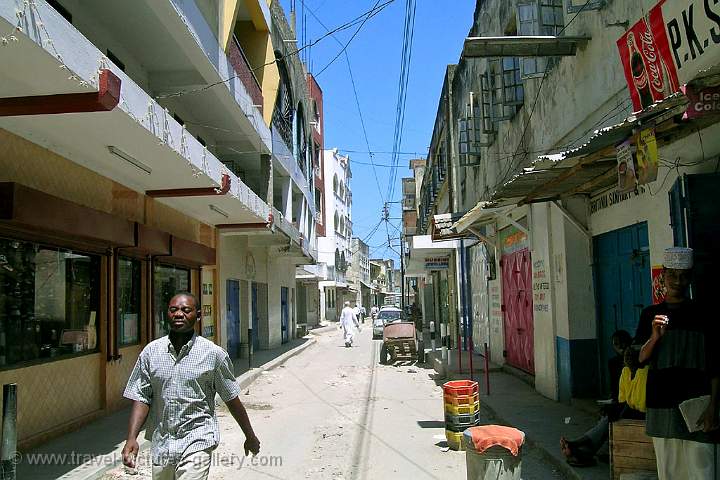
(344, 48)
(359, 19)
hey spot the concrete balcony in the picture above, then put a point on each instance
(150, 150)
(245, 73)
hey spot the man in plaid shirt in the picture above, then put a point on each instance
(175, 379)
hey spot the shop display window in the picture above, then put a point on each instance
(49, 302)
(129, 291)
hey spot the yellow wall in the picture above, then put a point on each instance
(53, 394)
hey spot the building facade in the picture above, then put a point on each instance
(148, 172)
(359, 272)
(556, 244)
(334, 248)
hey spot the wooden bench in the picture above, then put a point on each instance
(631, 450)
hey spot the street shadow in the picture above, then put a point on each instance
(431, 424)
(261, 357)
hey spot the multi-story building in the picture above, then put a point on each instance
(559, 173)
(334, 248)
(309, 276)
(358, 274)
(139, 159)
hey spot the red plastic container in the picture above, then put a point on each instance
(457, 388)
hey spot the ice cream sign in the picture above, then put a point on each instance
(668, 47)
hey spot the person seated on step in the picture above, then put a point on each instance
(631, 404)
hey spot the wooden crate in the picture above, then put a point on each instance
(631, 450)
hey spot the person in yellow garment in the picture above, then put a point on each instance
(631, 404)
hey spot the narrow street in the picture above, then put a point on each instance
(335, 413)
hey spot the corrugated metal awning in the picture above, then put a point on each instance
(522, 46)
(584, 169)
(442, 227)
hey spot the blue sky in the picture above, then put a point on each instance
(375, 53)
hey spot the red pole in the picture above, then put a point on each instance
(459, 344)
(487, 370)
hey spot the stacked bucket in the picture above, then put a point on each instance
(462, 410)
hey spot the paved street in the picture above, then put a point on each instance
(334, 413)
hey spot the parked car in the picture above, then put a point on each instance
(386, 316)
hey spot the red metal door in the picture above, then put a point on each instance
(518, 310)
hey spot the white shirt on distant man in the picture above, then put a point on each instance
(348, 322)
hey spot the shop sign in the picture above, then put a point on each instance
(608, 199)
(512, 239)
(625, 167)
(668, 47)
(437, 263)
(704, 102)
(647, 156)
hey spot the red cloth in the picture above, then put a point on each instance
(487, 436)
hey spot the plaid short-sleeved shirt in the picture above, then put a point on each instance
(180, 389)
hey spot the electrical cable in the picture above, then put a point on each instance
(359, 19)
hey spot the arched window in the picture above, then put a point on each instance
(337, 221)
(284, 112)
(335, 183)
(299, 139)
(342, 190)
(342, 225)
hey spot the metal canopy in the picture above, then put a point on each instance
(585, 169)
(525, 46)
(442, 227)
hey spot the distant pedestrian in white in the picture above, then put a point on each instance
(358, 312)
(348, 322)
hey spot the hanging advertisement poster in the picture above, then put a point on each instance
(703, 102)
(658, 284)
(668, 47)
(627, 181)
(647, 156)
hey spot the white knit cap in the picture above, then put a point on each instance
(678, 258)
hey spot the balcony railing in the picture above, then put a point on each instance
(244, 72)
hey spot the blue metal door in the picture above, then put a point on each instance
(233, 318)
(622, 285)
(255, 318)
(284, 314)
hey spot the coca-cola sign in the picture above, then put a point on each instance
(668, 47)
(645, 53)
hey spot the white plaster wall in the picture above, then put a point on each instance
(544, 322)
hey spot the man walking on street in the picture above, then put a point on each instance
(175, 379)
(358, 312)
(348, 322)
(679, 341)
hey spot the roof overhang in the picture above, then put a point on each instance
(442, 227)
(522, 46)
(592, 166)
(482, 213)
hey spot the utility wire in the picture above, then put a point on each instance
(359, 19)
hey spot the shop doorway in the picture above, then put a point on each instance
(694, 213)
(233, 318)
(284, 314)
(622, 285)
(518, 310)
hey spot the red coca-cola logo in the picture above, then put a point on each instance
(649, 51)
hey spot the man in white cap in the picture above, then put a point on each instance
(677, 338)
(348, 322)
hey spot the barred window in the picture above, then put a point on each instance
(539, 17)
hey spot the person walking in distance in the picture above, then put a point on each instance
(679, 339)
(175, 380)
(348, 323)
